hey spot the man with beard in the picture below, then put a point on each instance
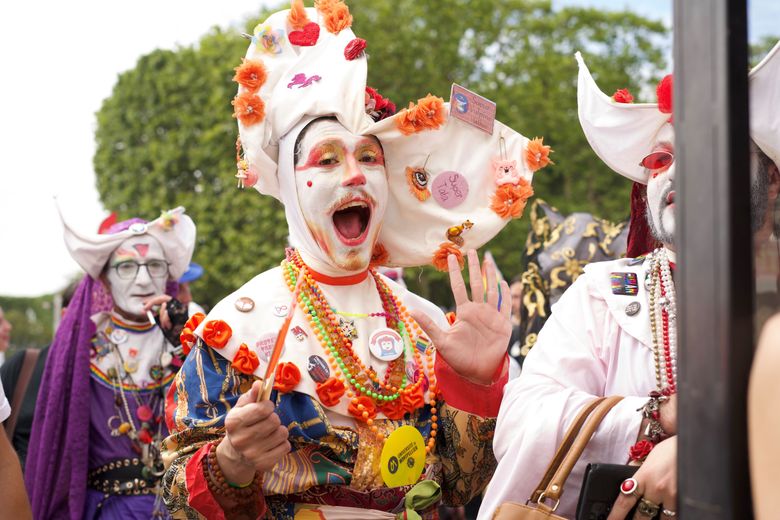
(367, 418)
(614, 330)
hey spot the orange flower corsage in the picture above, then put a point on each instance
(287, 377)
(330, 391)
(428, 114)
(245, 361)
(393, 410)
(413, 400)
(195, 320)
(338, 18)
(297, 16)
(446, 249)
(187, 340)
(248, 108)
(537, 154)
(362, 408)
(216, 333)
(251, 75)
(509, 199)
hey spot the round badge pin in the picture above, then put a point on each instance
(403, 457)
(281, 309)
(450, 189)
(386, 344)
(131, 366)
(244, 304)
(118, 336)
(318, 369)
(632, 308)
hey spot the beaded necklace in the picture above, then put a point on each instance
(325, 324)
(663, 321)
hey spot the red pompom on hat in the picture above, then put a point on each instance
(664, 92)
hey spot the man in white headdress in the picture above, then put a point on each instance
(367, 418)
(614, 331)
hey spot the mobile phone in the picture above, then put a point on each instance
(600, 489)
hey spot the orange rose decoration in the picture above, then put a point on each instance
(509, 200)
(245, 361)
(195, 320)
(428, 114)
(251, 75)
(216, 333)
(297, 16)
(413, 400)
(287, 377)
(187, 339)
(330, 391)
(446, 249)
(338, 18)
(364, 409)
(537, 154)
(248, 108)
(393, 410)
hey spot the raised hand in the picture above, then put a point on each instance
(475, 345)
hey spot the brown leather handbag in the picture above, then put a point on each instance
(551, 486)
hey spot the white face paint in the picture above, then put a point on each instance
(129, 294)
(661, 193)
(342, 189)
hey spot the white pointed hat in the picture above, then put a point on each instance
(622, 134)
(444, 195)
(174, 230)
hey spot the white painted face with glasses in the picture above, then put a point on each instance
(136, 271)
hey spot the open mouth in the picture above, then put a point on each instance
(351, 221)
(670, 198)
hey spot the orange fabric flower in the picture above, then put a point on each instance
(338, 18)
(248, 108)
(195, 320)
(251, 75)
(330, 391)
(509, 200)
(324, 6)
(413, 400)
(537, 155)
(287, 377)
(297, 16)
(245, 361)
(379, 255)
(428, 114)
(417, 179)
(364, 405)
(446, 249)
(187, 339)
(216, 333)
(393, 410)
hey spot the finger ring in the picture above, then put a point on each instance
(628, 487)
(669, 513)
(647, 508)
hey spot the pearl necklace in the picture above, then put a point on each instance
(663, 321)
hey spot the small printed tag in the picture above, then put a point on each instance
(472, 108)
(624, 284)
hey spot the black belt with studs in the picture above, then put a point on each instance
(121, 477)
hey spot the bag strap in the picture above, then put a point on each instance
(563, 449)
(555, 487)
(28, 365)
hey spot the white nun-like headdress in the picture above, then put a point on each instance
(622, 134)
(174, 230)
(304, 63)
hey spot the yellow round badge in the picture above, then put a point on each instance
(403, 457)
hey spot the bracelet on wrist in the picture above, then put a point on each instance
(653, 431)
(219, 485)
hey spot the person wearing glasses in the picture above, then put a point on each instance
(614, 331)
(95, 444)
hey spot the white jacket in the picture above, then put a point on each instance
(589, 347)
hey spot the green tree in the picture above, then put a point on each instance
(165, 135)
(761, 48)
